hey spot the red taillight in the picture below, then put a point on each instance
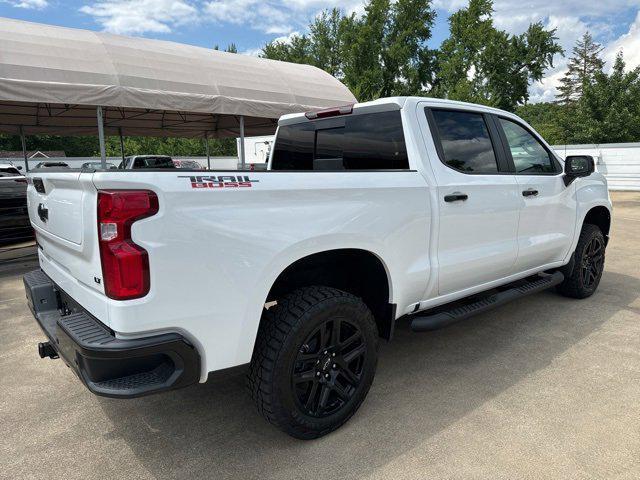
(329, 112)
(125, 265)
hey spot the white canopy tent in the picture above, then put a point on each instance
(64, 81)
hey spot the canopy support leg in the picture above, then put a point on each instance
(24, 150)
(206, 146)
(241, 142)
(121, 143)
(103, 152)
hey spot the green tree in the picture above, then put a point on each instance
(178, 147)
(388, 52)
(548, 120)
(72, 146)
(231, 48)
(584, 64)
(609, 109)
(384, 52)
(297, 50)
(87, 146)
(327, 47)
(482, 64)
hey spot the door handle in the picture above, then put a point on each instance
(531, 192)
(456, 196)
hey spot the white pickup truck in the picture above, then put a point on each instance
(417, 209)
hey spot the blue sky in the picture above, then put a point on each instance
(251, 23)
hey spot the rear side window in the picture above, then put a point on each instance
(372, 141)
(465, 141)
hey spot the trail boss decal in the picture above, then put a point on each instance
(222, 181)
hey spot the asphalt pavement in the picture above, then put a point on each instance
(544, 387)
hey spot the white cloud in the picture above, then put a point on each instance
(286, 38)
(629, 43)
(516, 11)
(269, 18)
(141, 16)
(28, 4)
(284, 18)
(275, 17)
(568, 30)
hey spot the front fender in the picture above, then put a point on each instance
(591, 192)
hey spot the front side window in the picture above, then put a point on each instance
(465, 141)
(529, 156)
(373, 141)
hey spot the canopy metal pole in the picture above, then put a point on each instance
(24, 150)
(103, 152)
(121, 143)
(206, 146)
(242, 142)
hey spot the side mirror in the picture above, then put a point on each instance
(576, 166)
(19, 167)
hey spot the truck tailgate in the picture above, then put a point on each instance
(62, 210)
(62, 195)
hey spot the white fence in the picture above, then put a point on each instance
(619, 162)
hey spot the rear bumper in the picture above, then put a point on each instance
(109, 366)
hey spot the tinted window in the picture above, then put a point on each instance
(153, 162)
(293, 149)
(9, 172)
(529, 156)
(465, 141)
(373, 141)
(329, 149)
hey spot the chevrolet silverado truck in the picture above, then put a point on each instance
(416, 210)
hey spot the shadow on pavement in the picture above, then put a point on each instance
(425, 383)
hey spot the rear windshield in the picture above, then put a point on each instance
(371, 141)
(153, 162)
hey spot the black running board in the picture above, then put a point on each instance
(435, 321)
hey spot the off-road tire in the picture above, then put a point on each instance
(281, 339)
(574, 284)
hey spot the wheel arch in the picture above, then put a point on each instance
(357, 271)
(600, 216)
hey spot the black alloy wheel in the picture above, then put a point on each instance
(314, 360)
(582, 276)
(592, 262)
(328, 368)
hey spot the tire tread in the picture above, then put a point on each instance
(275, 327)
(572, 285)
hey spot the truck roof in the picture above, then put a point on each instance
(396, 103)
